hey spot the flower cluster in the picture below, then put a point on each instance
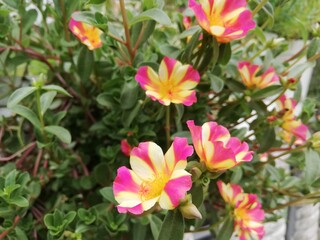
(226, 20)
(289, 123)
(246, 210)
(216, 148)
(251, 77)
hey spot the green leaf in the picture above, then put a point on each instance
(107, 193)
(19, 201)
(129, 95)
(129, 115)
(18, 95)
(172, 227)
(311, 171)
(266, 139)
(56, 88)
(225, 232)
(96, 1)
(235, 85)
(217, 83)
(60, 132)
(274, 172)
(20, 233)
(94, 19)
(155, 225)
(153, 14)
(313, 47)
(192, 30)
(28, 18)
(12, 3)
(224, 53)
(85, 64)
(46, 100)
(297, 70)
(197, 195)
(267, 92)
(180, 111)
(28, 114)
(69, 217)
(192, 44)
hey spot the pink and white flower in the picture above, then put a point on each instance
(227, 20)
(247, 211)
(216, 148)
(249, 76)
(154, 178)
(172, 84)
(89, 35)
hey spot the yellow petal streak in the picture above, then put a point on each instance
(152, 189)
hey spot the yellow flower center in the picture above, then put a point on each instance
(153, 188)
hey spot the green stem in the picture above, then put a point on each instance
(168, 137)
(257, 54)
(260, 5)
(38, 92)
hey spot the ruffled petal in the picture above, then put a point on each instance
(147, 161)
(175, 189)
(196, 135)
(178, 153)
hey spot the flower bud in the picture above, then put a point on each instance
(196, 173)
(315, 140)
(189, 210)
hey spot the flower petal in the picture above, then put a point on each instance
(126, 189)
(175, 189)
(178, 152)
(147, 161)
(196, 134)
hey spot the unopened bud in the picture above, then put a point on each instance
(196, 173)
(38, 83)
(315, 140)
(189, 210)
(292, 83)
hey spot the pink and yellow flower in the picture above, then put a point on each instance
(247, 212)
(249, 76)
(125, 147)
(216, 148)
(249, 218)
(154, 178)
(173, 83)
(227, 20)
(89, 35)
(290, 124)
(231, 193)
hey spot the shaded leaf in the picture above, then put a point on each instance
(28, 114)
(60, 132)
(172, 227)
(153, 14)
(18, 95)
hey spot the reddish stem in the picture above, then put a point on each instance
(7, 231)
(36, 166)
